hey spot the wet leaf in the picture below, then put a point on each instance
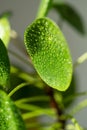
(49, 52)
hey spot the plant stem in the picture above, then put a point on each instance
(44, 7)
(17, 88)
(20, 58)
(37, 113)
(72, 97)
(32, 99)
(81, 59)
(27, 107)
(79, 107)
(55, 105)
(27, 77)
(75, 122)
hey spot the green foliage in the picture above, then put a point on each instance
(49, 52)
(50, 90)
(4, 66)
(10, 117)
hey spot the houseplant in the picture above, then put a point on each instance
(51, 58)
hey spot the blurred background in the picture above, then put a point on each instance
(24, 12)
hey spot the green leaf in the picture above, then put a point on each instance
(10, 117)
(69, 14)
(5, 30)
(4, 66)
(49, 52)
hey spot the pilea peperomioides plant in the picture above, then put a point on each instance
(51, 88)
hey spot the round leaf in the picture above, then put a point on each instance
(49, 52)
(4, 66)
(10, 117)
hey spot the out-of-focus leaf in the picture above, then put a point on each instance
(4, 66)
(6, 14)
(69, 14)
(5, 30)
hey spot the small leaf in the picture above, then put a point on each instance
(10, 117)
(49, 53)
(4, 66)
(5, 30)
(70, 15)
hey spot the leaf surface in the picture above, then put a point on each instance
(10, 117)
(49, 52)
(4, 66)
